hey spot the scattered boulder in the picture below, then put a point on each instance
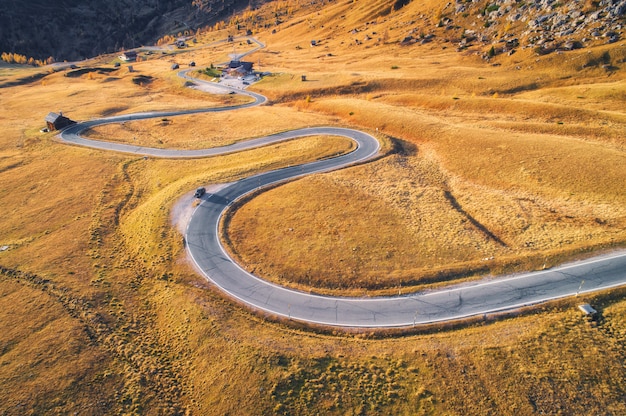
(570, 45)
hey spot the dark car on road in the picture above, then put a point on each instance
(199, 192)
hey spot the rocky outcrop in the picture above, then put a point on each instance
(552, 25)
(546, 25)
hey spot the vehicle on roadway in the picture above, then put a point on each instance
(199, 192)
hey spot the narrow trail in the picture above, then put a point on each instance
(446, 304)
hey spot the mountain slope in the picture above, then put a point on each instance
(73, 29)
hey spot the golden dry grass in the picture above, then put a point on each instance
(163, 184)
(531, 191)
(202, 131)
(519, 198)
(103, 314)
(45, 351)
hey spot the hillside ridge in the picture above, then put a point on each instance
(74, 30)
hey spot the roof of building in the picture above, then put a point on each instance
(241, 64)
(52, 117)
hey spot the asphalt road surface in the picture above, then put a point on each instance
(478, 298)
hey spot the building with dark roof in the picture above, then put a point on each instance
(128, 56)
(239, 68)
(246, 66)
(56, 121)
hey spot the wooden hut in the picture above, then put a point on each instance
(56, 121)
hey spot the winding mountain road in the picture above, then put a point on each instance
(447, 304)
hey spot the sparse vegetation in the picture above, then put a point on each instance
(102, 313)
(211, 72)
(16, 58)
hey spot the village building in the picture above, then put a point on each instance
(128, 56)
(56, 121)
(239, 68)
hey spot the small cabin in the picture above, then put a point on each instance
(56, 121)
(128, 56)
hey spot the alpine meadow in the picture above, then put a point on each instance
(501, 127)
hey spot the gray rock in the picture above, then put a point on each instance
(619, 9)
(595, 15)
(514, 17)
(571, 45)
(575, 14)
(544, 18)
(613, 39)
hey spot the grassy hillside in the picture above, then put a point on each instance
(492, 165)
(496, 165)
